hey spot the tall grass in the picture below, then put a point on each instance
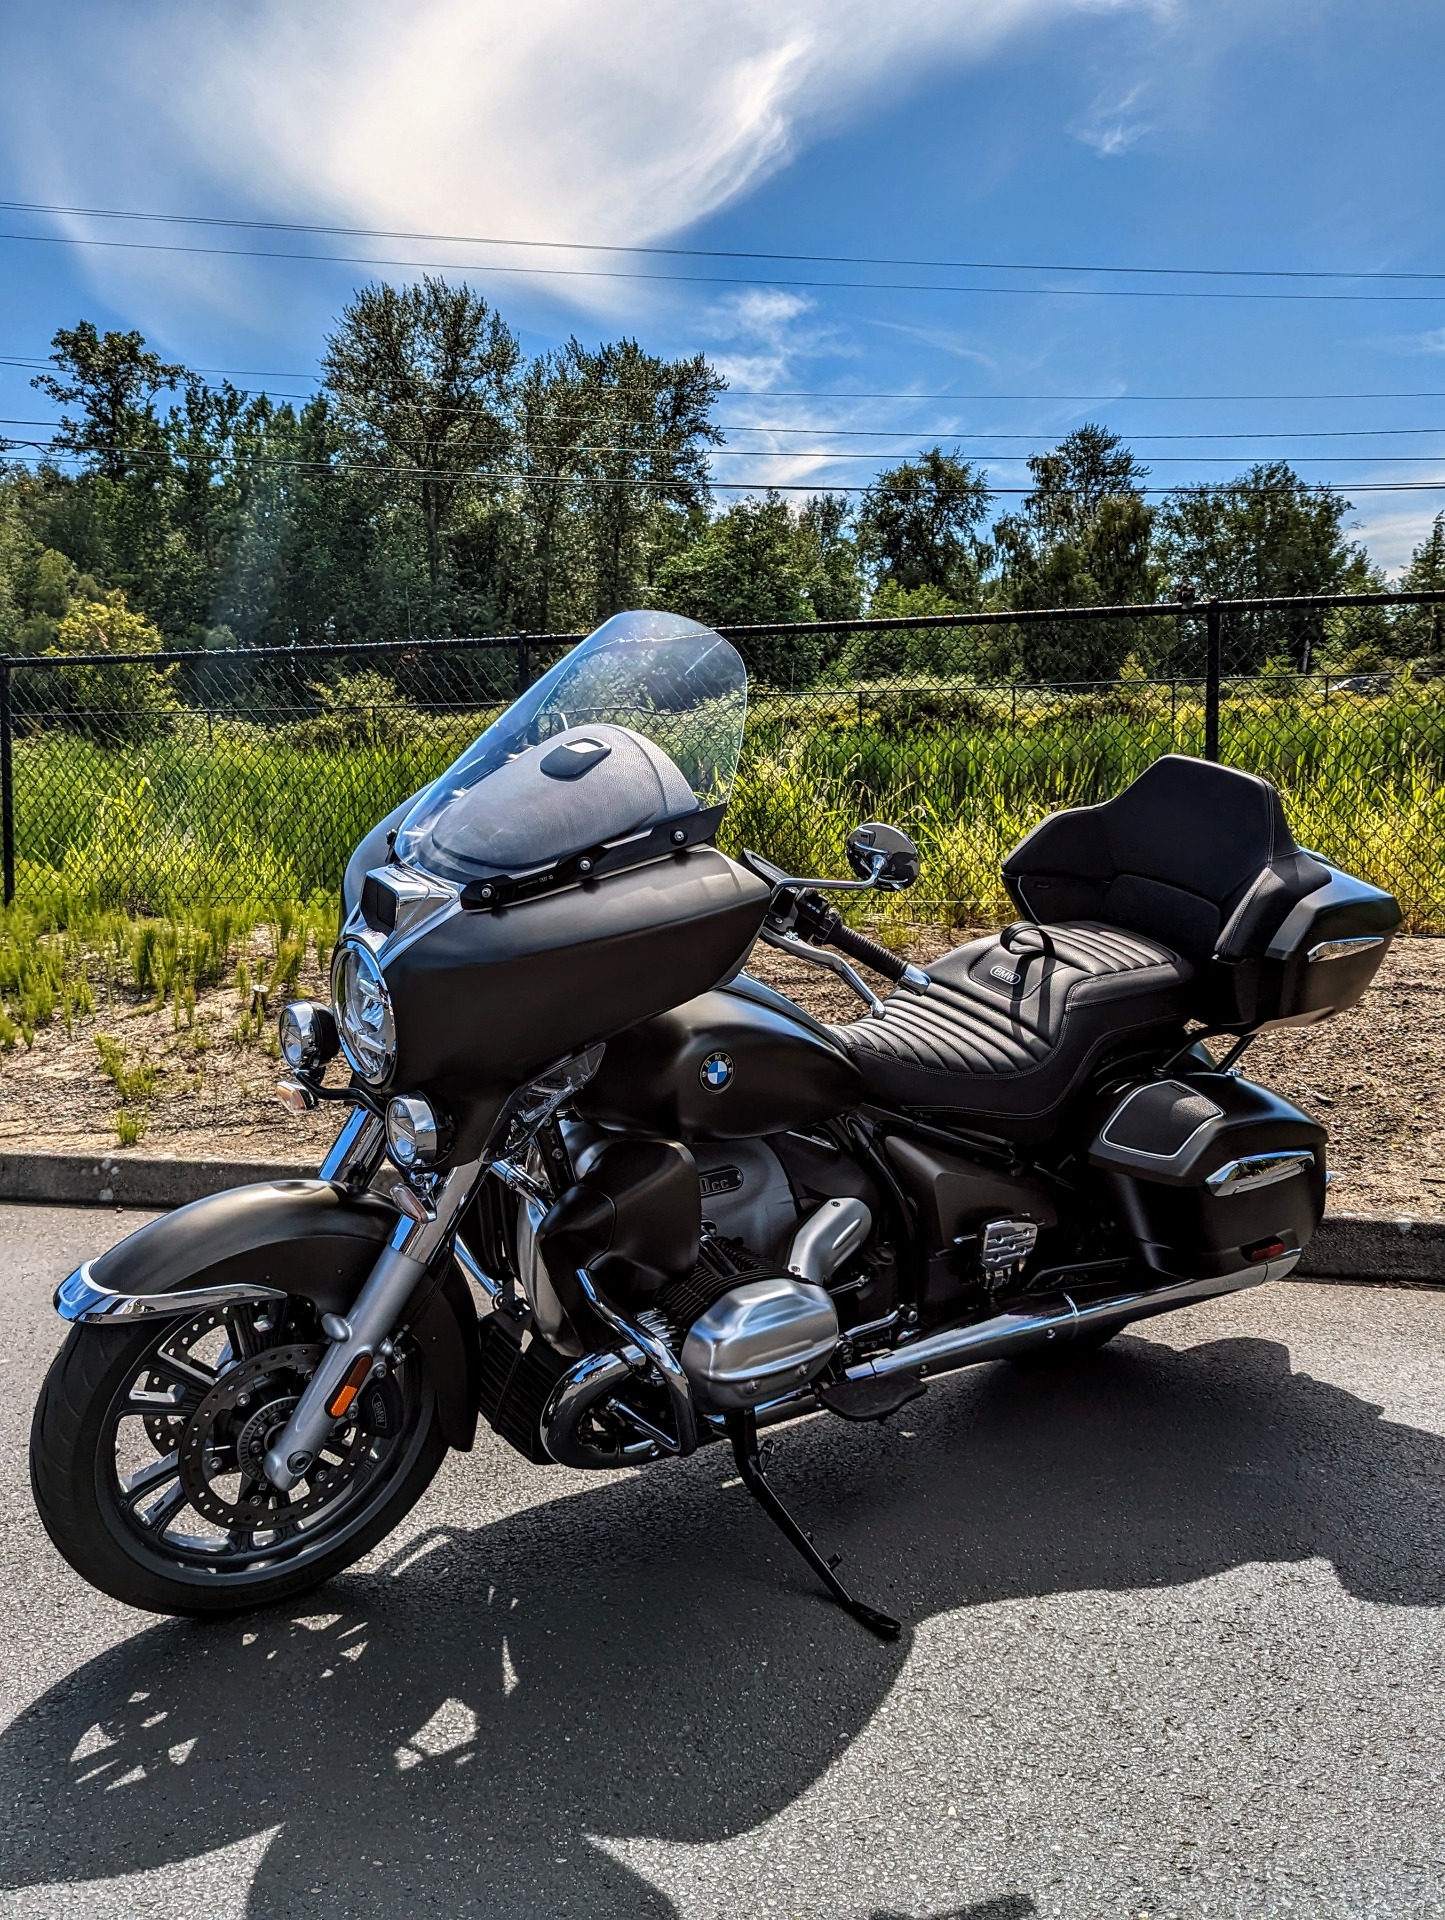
(223, 811)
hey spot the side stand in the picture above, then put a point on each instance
(743, 1432)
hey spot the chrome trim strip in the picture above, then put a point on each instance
(1254, 1170)
(356, 1151)
(468, 1263)
(79, 1300)
(1342, 948)
(1148, 1153)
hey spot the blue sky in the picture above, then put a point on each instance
(1271, 135)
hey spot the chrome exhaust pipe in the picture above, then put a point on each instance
(1053, 1320)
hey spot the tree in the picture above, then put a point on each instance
(421, 378)
(918, 526)
(1267, 533)
(114, 378)
(116, 705)
(643, 473)
(1081, 538)
(1420, 631)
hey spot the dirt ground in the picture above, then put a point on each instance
(1374, 1077)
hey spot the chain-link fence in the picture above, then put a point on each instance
(156, 780)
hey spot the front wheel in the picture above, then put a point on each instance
(146, 1452)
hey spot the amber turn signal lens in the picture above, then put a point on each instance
(356, 1378)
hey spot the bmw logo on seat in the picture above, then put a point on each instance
(716, 1071)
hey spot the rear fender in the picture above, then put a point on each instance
(315, 1240)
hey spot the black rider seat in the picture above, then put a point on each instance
(1136, 909)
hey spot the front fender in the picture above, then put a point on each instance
(313, 1239)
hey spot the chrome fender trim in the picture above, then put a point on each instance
(79, 1299)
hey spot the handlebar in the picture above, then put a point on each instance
(869, 953)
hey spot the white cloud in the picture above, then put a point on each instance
(1113, 123)
(613, 120)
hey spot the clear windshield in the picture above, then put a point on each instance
(639, 725)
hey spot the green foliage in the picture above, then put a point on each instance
(113, 705)
(133, 1080)
(1082, 538)
(1265, 534)
(920, 525)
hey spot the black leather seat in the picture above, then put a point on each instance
(1014, 1022)
(1138, 909)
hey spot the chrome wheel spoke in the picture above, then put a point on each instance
(192, 1374)
(160, 1516)
(135, 1486)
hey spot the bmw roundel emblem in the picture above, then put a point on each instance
(716, 1071)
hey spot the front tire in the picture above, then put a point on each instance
(145, 1450)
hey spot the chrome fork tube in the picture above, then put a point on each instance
(371, 1317)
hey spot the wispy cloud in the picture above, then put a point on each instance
(610, 120)
(1114, 122)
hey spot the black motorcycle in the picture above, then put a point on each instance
(604, 1190)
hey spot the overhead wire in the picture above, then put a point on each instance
(707, 279)
(242, 223)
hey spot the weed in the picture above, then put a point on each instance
(130, 1124)
(132, 1080)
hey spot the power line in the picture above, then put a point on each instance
(943, 432)
(504, 477)
(703, 253)
(703, 279)
(849, 393)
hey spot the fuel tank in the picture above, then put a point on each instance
(729, 1065)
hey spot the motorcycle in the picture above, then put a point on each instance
(603, 1189)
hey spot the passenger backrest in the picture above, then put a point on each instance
(1197, 856)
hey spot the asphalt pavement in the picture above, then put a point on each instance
(1173, 1646)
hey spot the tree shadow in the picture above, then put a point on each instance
(645, 1660)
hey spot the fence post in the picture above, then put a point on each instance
(7, 784)
(1212, 628)
(524, 667)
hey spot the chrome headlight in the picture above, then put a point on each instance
(416, 1133)
(308, 1036)
(364, 1019)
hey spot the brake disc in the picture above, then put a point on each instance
(227, 1437)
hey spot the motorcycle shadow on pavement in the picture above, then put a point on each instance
(642, 1659)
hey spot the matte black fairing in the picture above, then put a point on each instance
(486, 999)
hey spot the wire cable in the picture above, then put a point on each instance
(236, 222)
(707, 279)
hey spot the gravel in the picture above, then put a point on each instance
(1172, 1648)
(1375, 1077)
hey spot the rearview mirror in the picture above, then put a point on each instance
(883, 855)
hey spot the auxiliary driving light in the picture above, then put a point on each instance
(416, 1135)
(308, 1036)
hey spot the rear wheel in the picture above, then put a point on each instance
(146, 1451)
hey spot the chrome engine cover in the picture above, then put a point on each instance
(762, 1339)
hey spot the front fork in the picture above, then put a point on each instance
(360, 1339)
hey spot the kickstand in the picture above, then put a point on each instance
(743, 1432)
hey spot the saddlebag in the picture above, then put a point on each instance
(1213, 1175)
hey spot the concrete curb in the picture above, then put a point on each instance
(106, 1180)
(1373, 1246)
(1348, 1246)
